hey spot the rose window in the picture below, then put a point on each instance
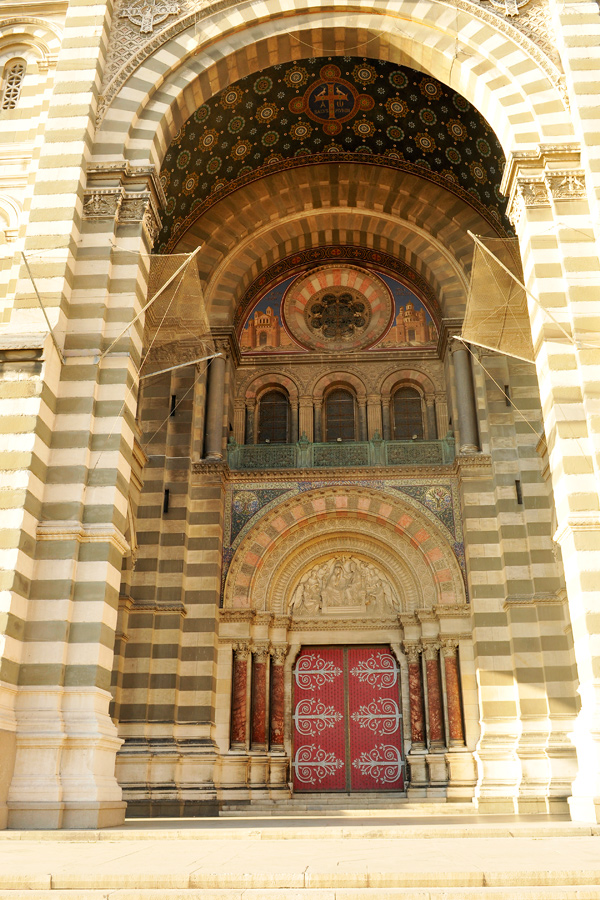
(337, 315)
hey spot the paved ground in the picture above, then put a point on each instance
(205, 855)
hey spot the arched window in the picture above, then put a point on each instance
(407, 414)
(273, 418)
(12, 82)
(340, 416)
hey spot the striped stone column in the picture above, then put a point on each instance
(550, 211)
(65, 740)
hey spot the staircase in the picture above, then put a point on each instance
(373, 803)
(413, 856)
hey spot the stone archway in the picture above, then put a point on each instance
(397, 584)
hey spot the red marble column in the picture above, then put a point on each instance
(239, 695)
(260, 655)
(455, 715)
(278, 655)
(434, 696)
(415, 694)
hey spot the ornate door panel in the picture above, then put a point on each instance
(347, 720)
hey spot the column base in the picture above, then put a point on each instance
(584, 809)
(279, 771)
(418, 770)
(46, 816)
(214, 457)
(438, 774)
(468, 449)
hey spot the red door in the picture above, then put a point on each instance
(347, 720)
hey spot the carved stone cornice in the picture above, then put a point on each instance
(581, 522)
(84, 534)
(341, 624)
(236, 615)
(460, 611)
(126, 175)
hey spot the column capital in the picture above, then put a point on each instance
(449, 646)
(260, 651)
(412, 650)
(241, 649)
(431, 649)
(278, 654)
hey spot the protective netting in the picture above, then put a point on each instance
(496, 316)
(179, 311)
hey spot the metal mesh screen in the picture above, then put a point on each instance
(179, 313)
(496, 316)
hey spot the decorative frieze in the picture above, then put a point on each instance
(145, 14)
(566, 185)
(102, 203)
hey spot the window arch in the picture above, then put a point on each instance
(12, 82)
(407, 414)
(340, 415)
(273, 418)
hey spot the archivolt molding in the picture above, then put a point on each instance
(530, 34)
(404, 566)
(259, 383)
(25, 33)
(337, 511)
(339, 378)
(403, 376)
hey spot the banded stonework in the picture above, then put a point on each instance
(169, 545)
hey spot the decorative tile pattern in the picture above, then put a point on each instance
(436, 498)
(319, 111)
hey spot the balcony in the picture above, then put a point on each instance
(350, 454)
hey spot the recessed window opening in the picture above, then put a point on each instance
(273, 418)
(12, 82)
(340, 416)
(407, 414)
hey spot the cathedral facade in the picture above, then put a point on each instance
(270, 527)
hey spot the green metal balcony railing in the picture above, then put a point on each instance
(349, 454)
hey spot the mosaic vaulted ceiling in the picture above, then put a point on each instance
(330, 110)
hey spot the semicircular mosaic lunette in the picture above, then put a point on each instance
(320, 110)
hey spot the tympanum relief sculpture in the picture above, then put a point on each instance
(344, 585)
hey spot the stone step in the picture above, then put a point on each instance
(270, 860)
(580, 892)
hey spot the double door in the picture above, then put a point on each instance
(347, 720)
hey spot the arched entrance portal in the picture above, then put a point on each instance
(352, 620)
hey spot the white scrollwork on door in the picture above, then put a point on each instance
(311, 716)
(383, 763)
(382, 716)
(314, 764)
(313, 671)
(379, 670)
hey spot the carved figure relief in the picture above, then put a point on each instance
(342, 585)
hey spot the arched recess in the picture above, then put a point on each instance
(397, 213)
(36, 40)
(412, 377)
(10, 215)
(339, 379)
(253, 580)
(271, 380)
(497, 62)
